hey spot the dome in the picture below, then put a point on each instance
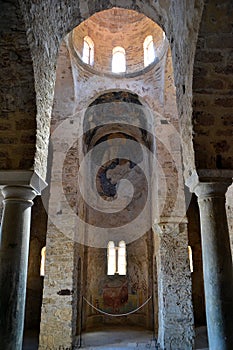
(118, 30)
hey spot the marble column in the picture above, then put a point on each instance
(19, 190)
(174, 287)
(210, 187)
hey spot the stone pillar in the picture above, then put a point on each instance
(174, 288)
(19, 190)
(210, 187)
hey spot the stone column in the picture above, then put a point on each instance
(19, 190)
(174, 288)
(210, 187)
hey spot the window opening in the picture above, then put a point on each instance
(190, 258)
(118, 60)
(116, 258)
(42, 262)
(121, 258)
(88, 51)
(111, 258)
(149, 50)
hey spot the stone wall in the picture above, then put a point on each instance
(17, 96)
(174, 287)
(56, 316)
(212, 86)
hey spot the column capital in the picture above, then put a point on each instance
(210, 182)
(22, 178)
(19, 194)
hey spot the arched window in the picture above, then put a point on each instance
(122, 258)
(42, 261)
(116, 258)
(118, 60)
(111, 258)
(149, 50)
(88, 51)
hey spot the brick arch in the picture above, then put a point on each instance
(212, 88)
(129, 102)
(96, 96)
(179, 21)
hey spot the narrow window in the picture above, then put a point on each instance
(118, 60)
(111, 258)
(88, 51)
(116, 258)
(149, 50)
(121, 261)
(42, 262)
(190, 258)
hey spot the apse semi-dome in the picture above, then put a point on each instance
(119, 42)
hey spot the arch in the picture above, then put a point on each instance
(88, 51)
(149, 50)
(45, 81)
(118, 60)
(123, 96)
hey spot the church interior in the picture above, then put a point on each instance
(116, 155)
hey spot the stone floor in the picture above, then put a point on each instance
(121, 338)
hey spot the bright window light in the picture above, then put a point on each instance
(118, 60)
(121, 258)
(111, 258)
(88, 51)
(116, 258)
(149, 50)
(190, 258)
(42, 262)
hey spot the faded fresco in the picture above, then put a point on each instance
(119, 294)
